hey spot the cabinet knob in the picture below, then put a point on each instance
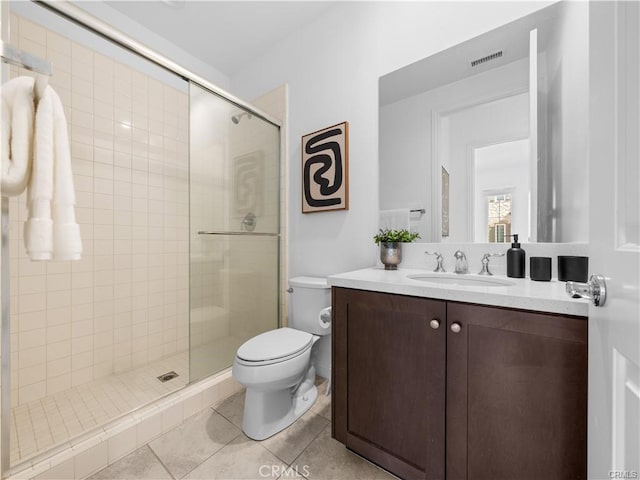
(455, 327)
(435, 323)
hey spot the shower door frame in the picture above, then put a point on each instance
(80, 17)
(89, 22)
(241, 232)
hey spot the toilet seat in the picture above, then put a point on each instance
(274, 346)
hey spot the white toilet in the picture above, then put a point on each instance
(276, 367)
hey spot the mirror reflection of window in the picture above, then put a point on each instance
(499, 216)
(502, 187)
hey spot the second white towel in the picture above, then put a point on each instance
(51, 231)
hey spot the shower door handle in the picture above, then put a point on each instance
(249, 222)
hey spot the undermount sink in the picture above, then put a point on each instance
(461, 280)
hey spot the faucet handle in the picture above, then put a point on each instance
(439, 259)
(485, 262)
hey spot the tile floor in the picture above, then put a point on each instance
(210, 445)
(51, 420)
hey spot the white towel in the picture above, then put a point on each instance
(51, 231)
(395, 219)
(415, 221)
(16, 144)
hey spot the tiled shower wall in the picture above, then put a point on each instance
(126, 302)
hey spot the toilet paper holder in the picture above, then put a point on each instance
(324, 318)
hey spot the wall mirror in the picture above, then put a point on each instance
(489, 137)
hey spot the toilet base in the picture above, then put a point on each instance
(269, 412)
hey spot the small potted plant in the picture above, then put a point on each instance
(390, 242)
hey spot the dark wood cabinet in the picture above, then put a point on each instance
(501, 395)
(389, 380)
(516, 394)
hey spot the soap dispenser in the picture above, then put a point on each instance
(515, 259)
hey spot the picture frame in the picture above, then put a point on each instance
(325, 169)
(445, 202)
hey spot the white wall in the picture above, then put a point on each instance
(332, 68)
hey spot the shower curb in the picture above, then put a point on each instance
(68, 462)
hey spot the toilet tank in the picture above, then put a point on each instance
(309, 295)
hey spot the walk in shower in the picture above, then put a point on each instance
(177, 190)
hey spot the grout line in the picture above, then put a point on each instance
(159, 459)
(307, 447)
(213, 454)
(225, 416)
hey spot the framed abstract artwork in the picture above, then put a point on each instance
(325, 169)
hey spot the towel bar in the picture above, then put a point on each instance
(255, 234)
(14, 56)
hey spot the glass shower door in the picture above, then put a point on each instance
(234, 225)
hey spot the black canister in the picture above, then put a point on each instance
(515, 259)
(573, 268)
(540, 269)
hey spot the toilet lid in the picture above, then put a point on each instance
(274, 344)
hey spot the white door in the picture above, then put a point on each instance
(614, 329)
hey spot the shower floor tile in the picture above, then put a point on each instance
(51, 420)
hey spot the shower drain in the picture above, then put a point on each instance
(165, 377)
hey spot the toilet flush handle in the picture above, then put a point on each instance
(289, 290)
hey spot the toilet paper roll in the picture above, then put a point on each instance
(324, 318)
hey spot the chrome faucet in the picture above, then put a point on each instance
(438, 255)
(461, 262)
(485, 262)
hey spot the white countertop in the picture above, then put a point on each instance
(526, 294)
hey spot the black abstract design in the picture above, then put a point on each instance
(321, 153)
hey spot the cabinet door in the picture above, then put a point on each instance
(516, 394)
(389, 380)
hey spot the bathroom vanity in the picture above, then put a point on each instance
(477, 382)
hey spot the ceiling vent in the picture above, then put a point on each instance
(488, 58)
